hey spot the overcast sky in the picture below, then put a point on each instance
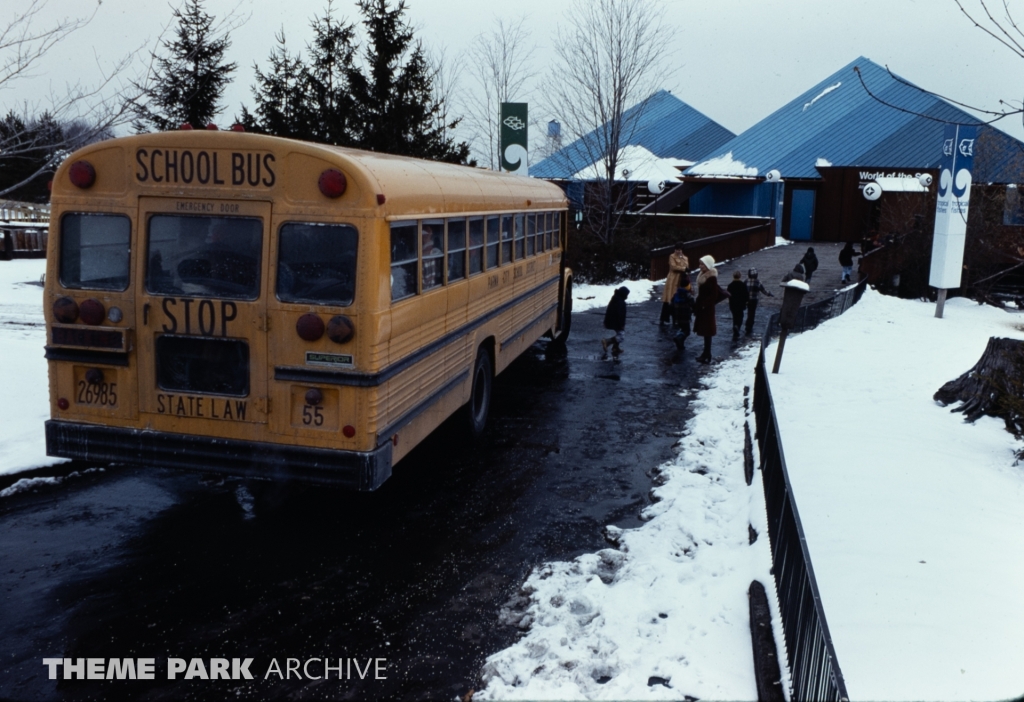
(734, 60)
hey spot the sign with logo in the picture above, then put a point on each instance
(951, 208)
(513, 137)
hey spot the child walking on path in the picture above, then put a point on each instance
(615, 320)
(682, 310)
(738, 297)
(754, 289)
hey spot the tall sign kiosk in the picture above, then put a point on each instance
(951, 210)
(513, 142)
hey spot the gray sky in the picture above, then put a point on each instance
(734, 60)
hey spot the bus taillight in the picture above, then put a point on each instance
(309, 327)
(92, 311)
(340, 329)
(332, 183)
(65, 310)
(82, 174)
(349, 431)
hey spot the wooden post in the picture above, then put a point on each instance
(940, 302)
(778, 351)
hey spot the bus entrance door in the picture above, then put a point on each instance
(202, 333)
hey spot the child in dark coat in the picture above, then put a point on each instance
(615, 320)
(738, 296)
(682, 310)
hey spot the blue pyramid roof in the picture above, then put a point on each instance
(667, 127)
(837, 120)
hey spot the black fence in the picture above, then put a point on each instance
(812, 659)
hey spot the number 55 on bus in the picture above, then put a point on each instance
(277, 309)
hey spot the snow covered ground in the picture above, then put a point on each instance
(24, 385)
(664, 614)
(914, 519)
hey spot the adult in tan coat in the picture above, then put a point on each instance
(677, 265)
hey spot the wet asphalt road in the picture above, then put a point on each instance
(142, 562)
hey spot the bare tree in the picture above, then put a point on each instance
(83, 112)
(445, 75)
(501, 69)
(607, 59)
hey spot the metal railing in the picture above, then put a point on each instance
(814, 668)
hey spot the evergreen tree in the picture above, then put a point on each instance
(308, 100)
(190, 80)
(393, 107)
(32, 150)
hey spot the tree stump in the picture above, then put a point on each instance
(993, 387)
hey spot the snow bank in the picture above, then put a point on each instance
(665, 614)
(913, 518)
(26, 399)
(587, 297)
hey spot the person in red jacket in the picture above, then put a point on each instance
(709, 294)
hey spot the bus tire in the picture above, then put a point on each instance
(565, 319)
(479, 405)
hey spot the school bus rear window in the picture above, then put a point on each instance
(204, 256)
(317, 263)
(202, 365)
(94, 251)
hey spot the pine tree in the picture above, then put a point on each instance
(393, 107)
(189, 81)
(308, 100)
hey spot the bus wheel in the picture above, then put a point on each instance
(480, 398)
(565, 323)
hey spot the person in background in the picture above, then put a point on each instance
(677, 267)
(796, 274)
(615, 320)
(738, 297)
(754, 289)
(846, 261)
(709, 294)
(682, 310)
(810, 261)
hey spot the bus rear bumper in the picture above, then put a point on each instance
(348, 469)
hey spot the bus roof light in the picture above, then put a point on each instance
(65, 310)
(381, 199)
(185, 125)
(332, 183)
(92, 311)
(82, 174)
(236, 127)
(309, 327)
(212, 127)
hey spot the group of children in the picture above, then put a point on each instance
(743, 296)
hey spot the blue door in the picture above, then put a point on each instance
(801, 215)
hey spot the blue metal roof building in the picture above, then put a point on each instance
(666, 126)
(838, 124)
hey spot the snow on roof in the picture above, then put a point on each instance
(636, 164)
(724, 165)
(822, 94)
(822, 163)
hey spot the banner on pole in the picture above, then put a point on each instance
(951, 207)
(513, 137)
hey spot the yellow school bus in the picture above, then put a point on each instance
(270, 308)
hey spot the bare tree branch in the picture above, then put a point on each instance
(501, 69)
(601, 88)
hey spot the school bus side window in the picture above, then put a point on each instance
(317, 263)
(492, 242)
(506, 239)
(95, 251)
(456, 249)
(476, 245)
(432, 240)
(404, 259)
